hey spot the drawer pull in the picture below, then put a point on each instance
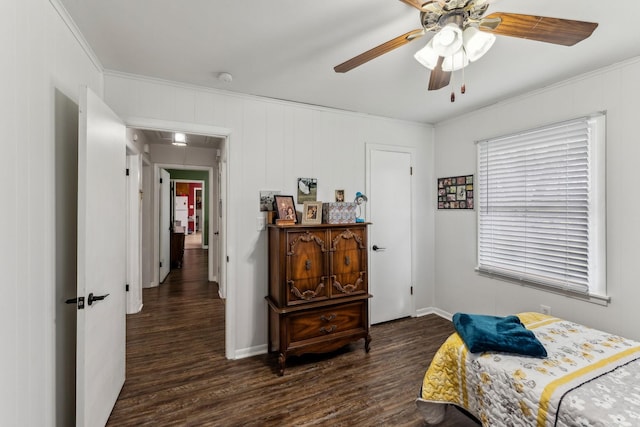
(328, 318)
(307, 265)
(329, 329)
(347, 260)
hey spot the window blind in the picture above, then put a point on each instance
(534, 206)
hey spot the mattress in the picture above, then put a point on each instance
(589, 378)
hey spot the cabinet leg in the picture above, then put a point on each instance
(282, 360)
(367, 343)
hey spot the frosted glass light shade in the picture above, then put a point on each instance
(427, 56)
(448, 40)
(477, 43)
(455, 62)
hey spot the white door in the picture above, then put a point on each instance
(390, 233)
(101, 346)
(165, 223)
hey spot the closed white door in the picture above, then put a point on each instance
(165, 223)
(101, 345)
(390, 239)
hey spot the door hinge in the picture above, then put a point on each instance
(227, 258)
(126, 287)
(160, 180)
(127, 172)
(411, 170)
(411, 290)
(160, 264)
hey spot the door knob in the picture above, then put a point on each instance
(93, 298)
(378, 248)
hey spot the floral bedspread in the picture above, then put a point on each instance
(590, 378)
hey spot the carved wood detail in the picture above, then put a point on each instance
(347, 234)
(306, 295)
(348, 288)
(306, 237)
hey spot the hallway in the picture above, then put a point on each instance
(177, 337)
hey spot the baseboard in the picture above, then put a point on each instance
(433, 310)
(251, 351)
(138, 310)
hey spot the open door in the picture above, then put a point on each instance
(101, 334)
(165, 224)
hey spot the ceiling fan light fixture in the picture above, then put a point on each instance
(456, 61)
(448, 40)
(476, 42)
(427, 56)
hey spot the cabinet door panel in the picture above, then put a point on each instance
(306, 266)
(348, 262)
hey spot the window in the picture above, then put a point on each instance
(541, 206)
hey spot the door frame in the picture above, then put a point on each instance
(205, 200)
(156, 216)
(225, 208)
(202, 202)
(369, 147)
(134, 230)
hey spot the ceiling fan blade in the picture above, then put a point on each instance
(413, 3)
(378, 50)
(438, 78)
(565, 32)
(431, 5)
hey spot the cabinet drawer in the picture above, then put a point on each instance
(327, 321)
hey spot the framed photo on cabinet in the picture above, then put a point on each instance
(285, 207)
(312, 213)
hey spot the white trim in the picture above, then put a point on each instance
(250, 351)
(77, 34)
(434, 310)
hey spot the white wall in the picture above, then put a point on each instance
(272, 143)
(458, 288)
(41, 61)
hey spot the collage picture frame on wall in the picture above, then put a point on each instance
(455, 192)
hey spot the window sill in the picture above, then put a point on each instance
(603, 300)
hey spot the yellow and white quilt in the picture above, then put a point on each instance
(590, 378)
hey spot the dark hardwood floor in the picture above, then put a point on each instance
(177, 373)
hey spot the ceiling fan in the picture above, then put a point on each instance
(462, 34)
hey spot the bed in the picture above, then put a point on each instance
(588, 378)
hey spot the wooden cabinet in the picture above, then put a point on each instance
(176, 248)
(318, 292)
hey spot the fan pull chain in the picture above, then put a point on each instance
(463, 88)
(453, 79)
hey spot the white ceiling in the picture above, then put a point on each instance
(287, 49)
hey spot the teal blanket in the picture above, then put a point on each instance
(493, 333)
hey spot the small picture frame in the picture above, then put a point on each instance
(312, 213)
(307, 190)
(266, 200)
(285, 208)
(339, 196)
